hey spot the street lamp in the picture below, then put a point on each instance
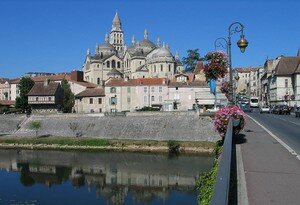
(242, 43)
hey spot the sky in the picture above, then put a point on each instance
(54, 35)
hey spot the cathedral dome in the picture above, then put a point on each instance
(147, 43)
(161, 54)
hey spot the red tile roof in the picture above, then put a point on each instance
(7, 102)
(91, 92)
(137, 82)
(84, 83)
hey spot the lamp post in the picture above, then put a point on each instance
(242, 43)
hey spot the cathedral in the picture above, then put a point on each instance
(142, 59)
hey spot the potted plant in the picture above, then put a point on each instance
(222, 117)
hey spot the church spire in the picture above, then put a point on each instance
(106, 38)
(133, 40)
(158, 42)
(146, 34)
(116, 24)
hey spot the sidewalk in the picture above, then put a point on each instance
(272, 173)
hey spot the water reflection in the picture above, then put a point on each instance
(116, 178)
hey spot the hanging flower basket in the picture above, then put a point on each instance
(225, 88)
(217, 65)
(222, 117)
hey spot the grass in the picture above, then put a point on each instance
(206, 147)
(57, 141)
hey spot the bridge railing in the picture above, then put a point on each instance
(221, 189)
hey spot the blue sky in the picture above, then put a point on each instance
(53, 35)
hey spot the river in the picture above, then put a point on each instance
(60, 177)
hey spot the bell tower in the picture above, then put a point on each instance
(116, 36)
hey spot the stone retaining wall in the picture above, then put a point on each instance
(9, 123)
(152, 127)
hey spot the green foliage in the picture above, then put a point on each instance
(149, 109)
(173, 147)
(35, 125)
(3, 110)
(190, 61)
(68, 99)
(205, 185)
(24, 86)
(59, 141)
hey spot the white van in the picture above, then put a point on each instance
(254, 102)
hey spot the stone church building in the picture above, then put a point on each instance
(142, 59)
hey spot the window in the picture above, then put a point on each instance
(98, 81)
(176, 88)
(49, 98)
(113, 90)
(113, 63)
(161, 67)
(160, 98)
(99, 100)
(152, 98)
(286, 83)
(128, 90)
(145, 99)
(91, 101)
(36, 99)
(128, 100)
(169, 68)
(113, 100)
(108, 64)
(101, 55)
(152, 89)
(154, 68)
(145, 89)
(118, 64)
(92, 110)
(160, 89)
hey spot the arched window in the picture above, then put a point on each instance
(108, 64)
(169, 68)
(161, 67)
(98, 81)
(112, 90)
(113, 63)
(118, 64)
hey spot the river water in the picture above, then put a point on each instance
(60, 177)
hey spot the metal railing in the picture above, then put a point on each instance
(221, 189)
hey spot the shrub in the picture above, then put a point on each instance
(35, 125)
(173, 147)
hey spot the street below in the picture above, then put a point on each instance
(285, 127)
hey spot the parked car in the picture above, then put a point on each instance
(285, 110)
(245, 107)
(276, 109)
(297, 112)
(264, 109)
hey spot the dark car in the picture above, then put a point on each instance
(297, 112)
(285, 110)
(276, 110)
(245, 107)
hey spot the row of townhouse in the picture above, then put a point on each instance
(277, 82)
(181, 93)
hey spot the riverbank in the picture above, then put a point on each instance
(92, 144)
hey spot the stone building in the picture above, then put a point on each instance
(142, 59)
(285, 81)
(45, 97)
(131, 94)
(90, 101)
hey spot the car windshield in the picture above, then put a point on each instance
(254, 100)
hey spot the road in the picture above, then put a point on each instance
(286, 127)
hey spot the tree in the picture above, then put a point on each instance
(35, 125)
(68, 99)
(190, 61)
(24, 86)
